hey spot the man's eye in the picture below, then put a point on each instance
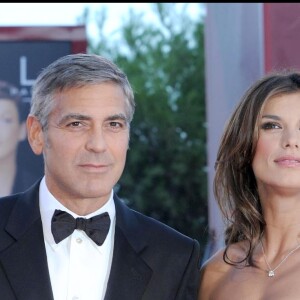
(116, 124)
(74, 124)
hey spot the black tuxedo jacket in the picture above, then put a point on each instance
(151, 261)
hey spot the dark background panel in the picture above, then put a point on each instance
(20, 64)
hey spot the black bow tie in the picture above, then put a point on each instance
(63, 224)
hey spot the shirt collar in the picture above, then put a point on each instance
(48, 204)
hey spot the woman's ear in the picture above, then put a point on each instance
(35, 134)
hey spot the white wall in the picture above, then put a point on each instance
(234, 60)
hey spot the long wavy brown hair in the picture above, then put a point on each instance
(235, 185)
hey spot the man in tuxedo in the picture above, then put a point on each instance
(69, 236)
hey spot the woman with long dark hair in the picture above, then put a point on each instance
(257, 186)
(12, 132)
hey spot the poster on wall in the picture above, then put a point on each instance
(24, 52)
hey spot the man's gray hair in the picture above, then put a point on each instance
(76, 70)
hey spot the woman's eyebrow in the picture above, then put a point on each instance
(274, 117)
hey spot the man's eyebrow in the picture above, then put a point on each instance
(82, 117)
(73, 117)
(117, 117)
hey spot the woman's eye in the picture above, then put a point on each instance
(6, 120)
(270, 125)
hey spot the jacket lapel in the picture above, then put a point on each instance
(129, 273)
(24, 258)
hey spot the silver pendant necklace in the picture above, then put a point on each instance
(271, 272)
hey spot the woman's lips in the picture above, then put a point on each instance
(288, 161)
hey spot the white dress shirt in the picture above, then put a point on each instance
(78, 268)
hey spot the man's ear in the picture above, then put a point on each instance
(35, 134)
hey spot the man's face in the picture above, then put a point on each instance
(86, 142)
(11, 131)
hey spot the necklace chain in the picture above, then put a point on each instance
(271, 272)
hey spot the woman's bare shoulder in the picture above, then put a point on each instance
(211, 272)
(214, 263)
(215, 270)
(235, 253)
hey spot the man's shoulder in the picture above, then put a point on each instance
(155, 229)
(19, 201)
(7, 204)
(158, 225)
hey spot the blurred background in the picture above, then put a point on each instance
(188, 63)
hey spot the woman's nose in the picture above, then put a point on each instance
(291, 139)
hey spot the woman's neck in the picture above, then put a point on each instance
(8, 170)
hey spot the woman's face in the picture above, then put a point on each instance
(276, 161)
(11, 131)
